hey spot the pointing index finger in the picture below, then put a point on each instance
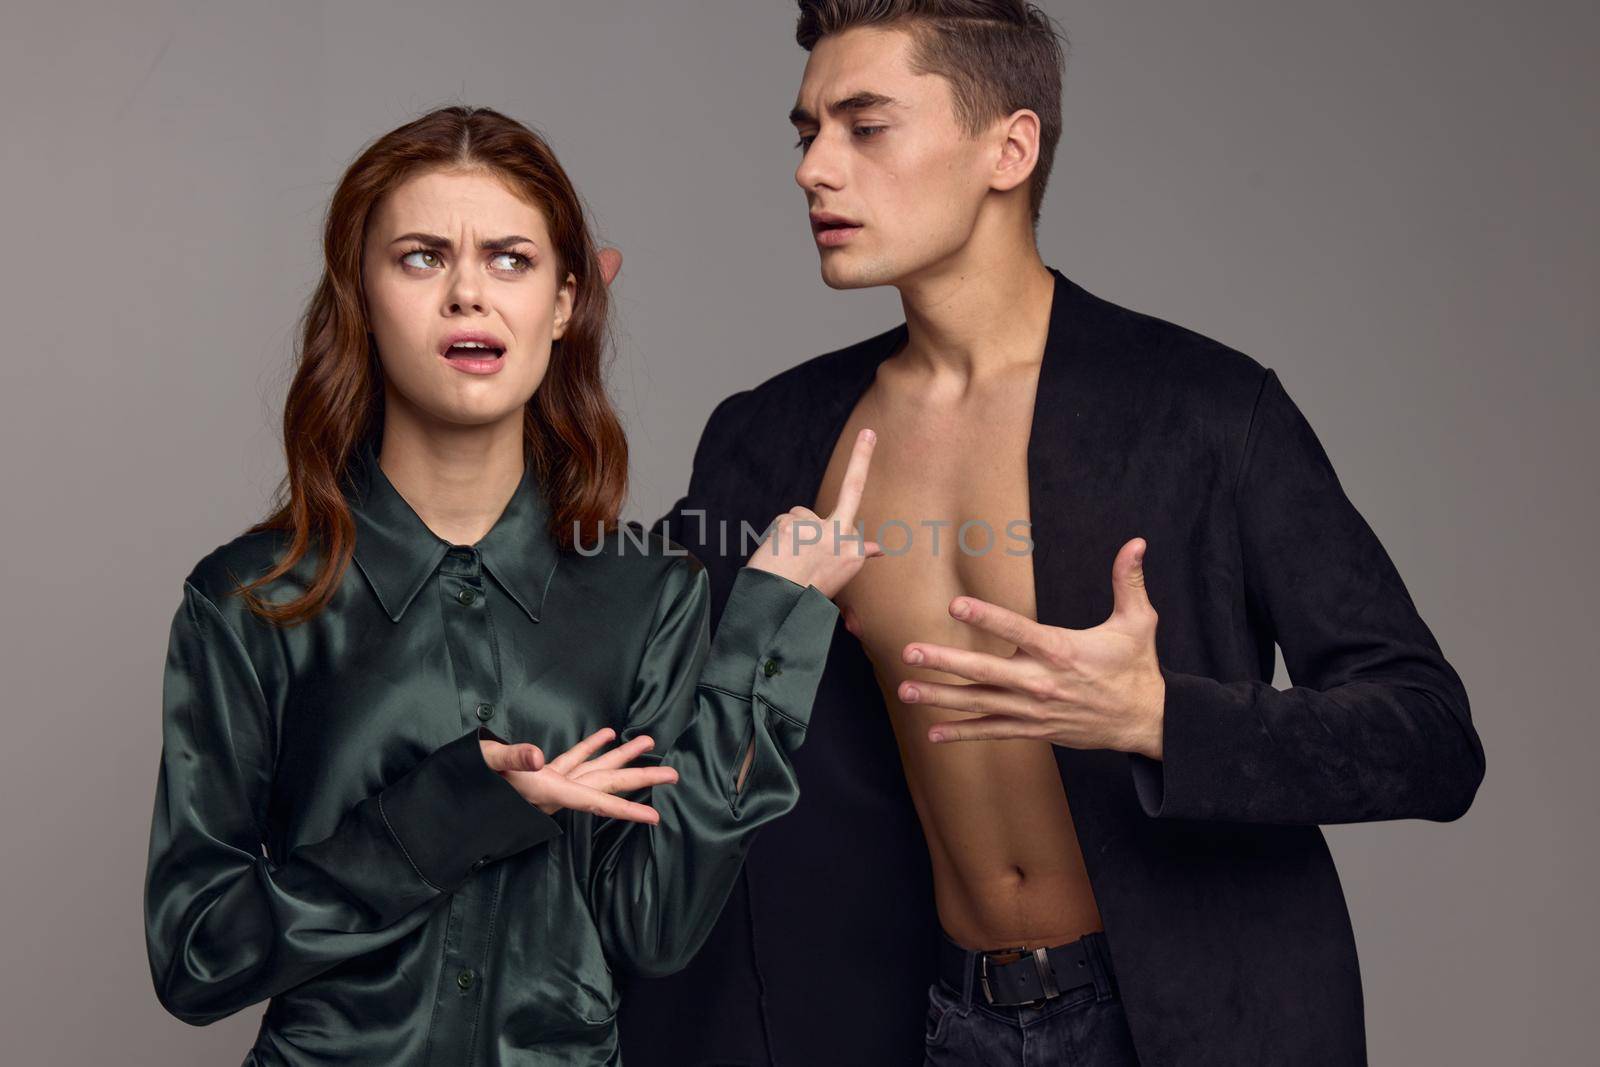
(855, 480)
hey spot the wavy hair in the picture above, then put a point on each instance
(572, 436)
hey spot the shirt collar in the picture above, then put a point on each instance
(397, 551)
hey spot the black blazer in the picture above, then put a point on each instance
(1222, 908)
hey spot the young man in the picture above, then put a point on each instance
(1113, 855)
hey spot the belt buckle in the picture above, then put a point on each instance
(1047, 977)
(983, 977)
(1041, 964)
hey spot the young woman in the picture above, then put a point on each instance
(357, 816)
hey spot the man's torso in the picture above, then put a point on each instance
(1007, 866)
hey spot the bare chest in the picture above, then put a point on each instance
(947, 499)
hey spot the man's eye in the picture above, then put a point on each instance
(862, 131)
(427, 254)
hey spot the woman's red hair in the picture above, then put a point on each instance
(573, 438)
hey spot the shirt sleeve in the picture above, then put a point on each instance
(225, 925)
(657, 890)
(1377, 723)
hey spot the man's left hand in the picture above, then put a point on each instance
(1095, 688)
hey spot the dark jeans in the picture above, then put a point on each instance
(1083, 1027)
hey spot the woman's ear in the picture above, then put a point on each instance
(564, 299)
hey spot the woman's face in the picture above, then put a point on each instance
(456, 256)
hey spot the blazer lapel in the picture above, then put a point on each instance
(1078, 472)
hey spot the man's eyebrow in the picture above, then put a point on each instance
(491, 244)
(854, 102)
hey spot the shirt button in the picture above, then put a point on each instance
(466, 596)
(771, 667)
(485, 711)
(465, 979)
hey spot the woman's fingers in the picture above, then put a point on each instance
(578, 797)
(568, 760)
(852, 621)
(627, 779)
(616, 757)
(518, 757)
(855, 480)
(557, 784)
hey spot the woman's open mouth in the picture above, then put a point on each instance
(475, 355)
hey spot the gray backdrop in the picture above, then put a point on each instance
(1386, 201)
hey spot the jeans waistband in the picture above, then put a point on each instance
(1068, 969)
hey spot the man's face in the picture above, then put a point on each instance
(452, 253)
(884, 153)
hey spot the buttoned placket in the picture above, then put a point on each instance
(469, 931)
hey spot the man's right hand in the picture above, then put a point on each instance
(577, 781)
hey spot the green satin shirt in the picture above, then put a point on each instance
(328, 838)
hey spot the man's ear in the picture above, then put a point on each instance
(610, 263)
(1019, 150)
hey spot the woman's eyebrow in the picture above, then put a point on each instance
(490, 244)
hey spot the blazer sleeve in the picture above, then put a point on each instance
(1377, 723)
(226, 925)
(657, 890)
(720, 459)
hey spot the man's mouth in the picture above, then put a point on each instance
(830, 229)
(826, 220)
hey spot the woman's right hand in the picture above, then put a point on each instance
(577, 781)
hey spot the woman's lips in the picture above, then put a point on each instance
(481, 361)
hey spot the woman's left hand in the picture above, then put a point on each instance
(810, 550)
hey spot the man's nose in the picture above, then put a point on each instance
(819, 167)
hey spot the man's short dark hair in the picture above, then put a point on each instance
(997, 55)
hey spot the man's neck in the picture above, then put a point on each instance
(978, 313)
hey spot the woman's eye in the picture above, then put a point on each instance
(427, 259)
(521, 261)
(805, 142)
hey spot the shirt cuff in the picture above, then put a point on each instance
(452, 814)
(772, 642)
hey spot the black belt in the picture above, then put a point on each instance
(1040, 974)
